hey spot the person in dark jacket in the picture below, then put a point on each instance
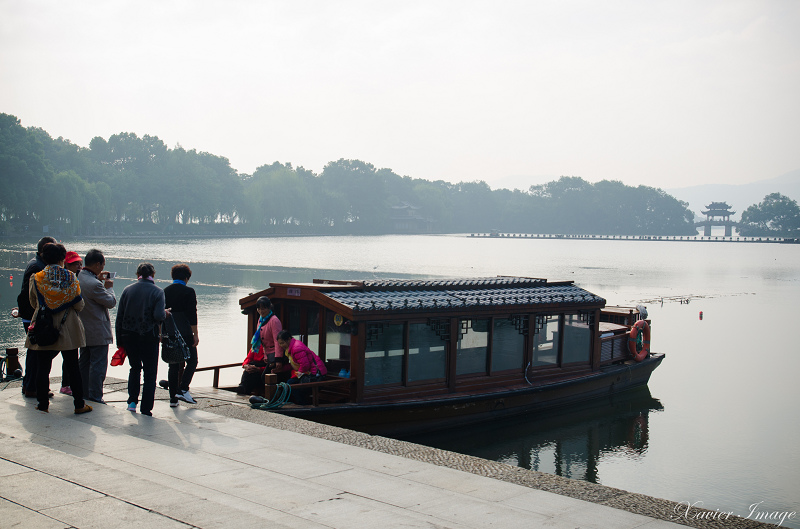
(140, 313)
(182, 302)
(26, 313)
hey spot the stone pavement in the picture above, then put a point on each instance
(188, 467)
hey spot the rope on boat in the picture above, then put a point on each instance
(282, 394)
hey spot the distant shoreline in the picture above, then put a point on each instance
(589, 237)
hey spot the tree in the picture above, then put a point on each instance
(24, 171)
(129, 179)
(776, 216)
(276, 195)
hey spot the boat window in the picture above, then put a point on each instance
(508, 346)
(577, 340)
(337, 338)
(313, 329)
(472, 346)
(383, 358)
(427, 355)
(292, 323)
(545, 342)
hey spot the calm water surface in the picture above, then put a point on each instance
(718, 423)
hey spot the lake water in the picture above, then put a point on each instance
(719, 424)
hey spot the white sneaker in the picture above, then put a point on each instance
(186, 397)
(173, 403)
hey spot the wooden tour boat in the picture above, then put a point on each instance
(408, 355)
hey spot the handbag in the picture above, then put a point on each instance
(42, 331)
(173, 347)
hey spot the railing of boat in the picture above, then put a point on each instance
(331, 380)
(216, 371)
(271, 382)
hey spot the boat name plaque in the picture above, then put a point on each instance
(293, 292)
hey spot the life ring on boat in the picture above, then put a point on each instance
(639, 340)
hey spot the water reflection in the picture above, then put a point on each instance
(570, 442)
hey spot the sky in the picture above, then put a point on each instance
(665, 93)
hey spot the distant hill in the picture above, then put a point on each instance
(739, 197)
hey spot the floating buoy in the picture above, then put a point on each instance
(701, 314)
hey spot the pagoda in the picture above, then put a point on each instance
(717, 214)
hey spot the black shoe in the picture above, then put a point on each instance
(164, 384)
(32, 394)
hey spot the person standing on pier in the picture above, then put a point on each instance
(26, 313)
(73, 263)
(140, 314)
(98, 292)
(57, 289)
(182, 301)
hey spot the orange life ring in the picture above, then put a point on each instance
(634, 341)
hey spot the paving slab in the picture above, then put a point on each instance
(15, 515)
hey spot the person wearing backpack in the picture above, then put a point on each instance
(56, 290)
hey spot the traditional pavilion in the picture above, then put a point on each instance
(717, 214)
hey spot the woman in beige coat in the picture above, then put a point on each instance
(58, 289)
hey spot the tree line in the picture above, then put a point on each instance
(129, 184)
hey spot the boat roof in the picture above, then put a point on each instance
(438, 296)
(416, 295)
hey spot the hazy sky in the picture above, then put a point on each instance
(663, 93)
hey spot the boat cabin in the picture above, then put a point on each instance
(396, 339)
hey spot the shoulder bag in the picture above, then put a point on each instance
(173, 347)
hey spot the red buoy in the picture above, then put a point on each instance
(701, 314)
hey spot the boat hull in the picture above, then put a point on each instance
(446, 412)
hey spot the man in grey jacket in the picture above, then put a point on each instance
(97, 290)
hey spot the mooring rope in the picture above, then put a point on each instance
(282, 394)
